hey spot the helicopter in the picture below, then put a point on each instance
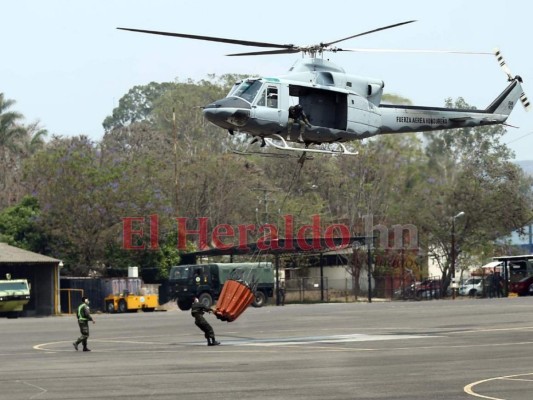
(339, 107)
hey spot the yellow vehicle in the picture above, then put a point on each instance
(127, 302)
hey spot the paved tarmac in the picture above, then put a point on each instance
(440, 349)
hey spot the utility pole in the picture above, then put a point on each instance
(264, 219)
(369, 266)
(453, 255)
(453, 258)
(176, 189)
(403, 269)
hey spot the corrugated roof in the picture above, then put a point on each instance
(492, 264)
(11, 254)
(283, 246)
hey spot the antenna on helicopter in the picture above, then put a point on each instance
(507, 71)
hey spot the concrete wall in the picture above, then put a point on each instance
(339, 278)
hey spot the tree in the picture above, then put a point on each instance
(85, 193)
(10, 133)
(136, 106)
(10, 129)
(34, 139)
(468, 170)
(19, 226)
(194, 133)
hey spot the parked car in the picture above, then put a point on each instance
(428, 289)
(471, 287)
(523, 287)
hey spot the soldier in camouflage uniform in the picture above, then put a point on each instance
(297, 115)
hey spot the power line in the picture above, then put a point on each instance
(521, 137)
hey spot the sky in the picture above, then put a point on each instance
(66, 65)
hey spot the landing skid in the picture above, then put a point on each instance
(285, 146)
(263, 154)
(247, 152)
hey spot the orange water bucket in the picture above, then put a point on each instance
(233, 300)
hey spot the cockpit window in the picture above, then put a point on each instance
(268, 97)
(247, 90)
(261, 100)
(234, 88)
(272, 97)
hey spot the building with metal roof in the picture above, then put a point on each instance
(42, 273)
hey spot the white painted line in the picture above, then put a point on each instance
(42, 390)
(358, 337)
(469, 388)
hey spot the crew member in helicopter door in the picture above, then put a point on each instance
(297, 114)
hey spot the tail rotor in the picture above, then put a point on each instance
(507, 71)
(525, 101)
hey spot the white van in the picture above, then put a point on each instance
(472, 287)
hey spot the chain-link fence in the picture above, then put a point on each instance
(316, 289)
(394, 288)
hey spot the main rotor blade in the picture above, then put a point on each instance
(211, 38)
(335, 49)
(366, 33)
(263, 53)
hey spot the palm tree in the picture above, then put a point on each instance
(10, 134)
(34, 139)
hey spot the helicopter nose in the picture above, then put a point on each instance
(228, 113)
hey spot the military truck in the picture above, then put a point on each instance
(14, 295)
(205, 281)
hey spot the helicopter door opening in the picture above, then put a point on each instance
(266, 109)
(324, 108)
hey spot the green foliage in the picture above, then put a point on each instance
(19, 226)
(17, 143)
(142, 103)
(11, 132)
(10, 128)
(136, 105)
(85, 192)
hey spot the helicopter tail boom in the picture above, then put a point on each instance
(400, 119)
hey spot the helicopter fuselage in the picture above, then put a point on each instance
(340, 107)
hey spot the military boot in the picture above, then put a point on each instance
(213, 342)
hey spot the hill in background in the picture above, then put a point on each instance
(526, 165)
